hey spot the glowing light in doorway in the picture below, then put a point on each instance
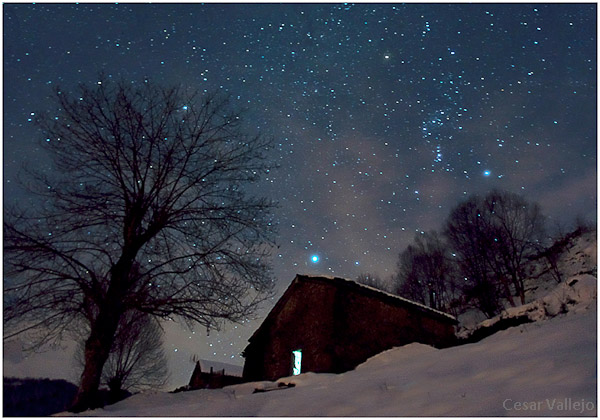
(297, 366)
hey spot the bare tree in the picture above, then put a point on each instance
(373, 280)
(493, 237)
(426, 272)
(562, 241)
(468, 236)
(137, 360)
(409, 280)
(552, 256)
(518, 229)
(146, 210)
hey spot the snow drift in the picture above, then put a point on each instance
(543, 368)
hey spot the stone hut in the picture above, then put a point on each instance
(211, 379)
(325, 324)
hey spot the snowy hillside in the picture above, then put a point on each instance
(577, 294)
(580, 256)
(542, 368)
(577, 257)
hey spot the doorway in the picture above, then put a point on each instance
(296, 362)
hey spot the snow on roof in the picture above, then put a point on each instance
(374, 289)
(301, 277)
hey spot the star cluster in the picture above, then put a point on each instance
(384, 116)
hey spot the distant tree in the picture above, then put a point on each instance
(409, 281)
(373, 280)
(467, 235)
(582, 225)
(493, 237)
(426, 272)
(518, 229)
(136, 360)
(562, 241)
(146, 210)
(29, 397)
(552, 256)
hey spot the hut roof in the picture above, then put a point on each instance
(357, 287)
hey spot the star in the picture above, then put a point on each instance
(383, 117)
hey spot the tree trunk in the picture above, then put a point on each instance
(522, 292)
(508, 293)
(519, 287)
(97, 349)
(102, 335)
(115, 391)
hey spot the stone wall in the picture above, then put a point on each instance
(337, 325)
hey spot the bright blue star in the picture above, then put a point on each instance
(314, 258)
(487, 172)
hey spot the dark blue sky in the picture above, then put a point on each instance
(385, 116)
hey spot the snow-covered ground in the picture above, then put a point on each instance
(579, 257)
(542, 368)
(546, 367)
(577, 294)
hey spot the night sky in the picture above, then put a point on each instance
(384, 116)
